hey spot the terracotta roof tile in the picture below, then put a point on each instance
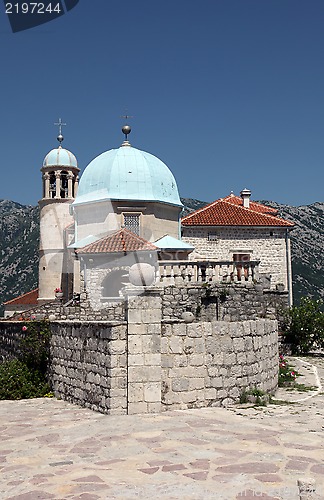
(120, 241)
(29, 298)
(225, 212)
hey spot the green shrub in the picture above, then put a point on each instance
(26, 377)
(19, 381)
(35, 345)
(304, 326)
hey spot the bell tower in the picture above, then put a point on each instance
(60, 184)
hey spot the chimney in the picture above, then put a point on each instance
(245, 195)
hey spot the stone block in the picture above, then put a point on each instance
(229, 358)
(151, 316)
(180, 384)
(118, 403)
(236, 371)
(193, 330)
(172, 398)
(152, 359)
(117, 393)
(188, 397)
(144, 374)
(117, 411)
(238, 344)
(153, 407)
(152, 392)
(134, 316)
(151, 344)
(196, 359)
(137, 408)
(166, 330)
(137, 329)
(196, 383)
(135, 392)
(164, 345)
(117, 347)
(248, 344)
(176, 345)
(179, 360)
(135, 344)
(210, 393)
(216, 382)
(153, 329)
(241, 358)
(166, 361)
(199, 346)
(135, 359)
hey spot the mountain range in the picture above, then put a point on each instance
(19, 230)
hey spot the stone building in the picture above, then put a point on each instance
(248, 235)
(149, 311)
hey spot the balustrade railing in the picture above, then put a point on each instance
(176, 272)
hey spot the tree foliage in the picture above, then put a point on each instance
(304, 326)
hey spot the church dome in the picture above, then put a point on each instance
(60, 157)
(127, 174)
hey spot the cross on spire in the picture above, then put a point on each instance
(126, 129)
(60, 124)
(126, 116)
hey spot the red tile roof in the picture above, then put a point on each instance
(256, 207)
(120, 241)
(229, 212)
(29, 299)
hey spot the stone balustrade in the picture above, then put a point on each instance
(179, 272)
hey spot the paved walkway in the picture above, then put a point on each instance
(50, 449)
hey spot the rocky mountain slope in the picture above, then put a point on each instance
(19, 231)
(19, 236)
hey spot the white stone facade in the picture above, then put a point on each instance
(54, 219)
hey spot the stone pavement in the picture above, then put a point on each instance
(51, 449)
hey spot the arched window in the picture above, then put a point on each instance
(52, 185)
(64, 184)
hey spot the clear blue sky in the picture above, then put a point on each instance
(228, 93)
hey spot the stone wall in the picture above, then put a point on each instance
(224, 302)
(89, 365)
(77, 310)
(265, 244)
(148, 363)
(213, 363)
(10, 336)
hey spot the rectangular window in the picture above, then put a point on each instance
(132, 223)
(241, 257)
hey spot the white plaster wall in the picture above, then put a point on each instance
(258, 242)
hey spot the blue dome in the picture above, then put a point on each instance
(127, 174)
(60, 157)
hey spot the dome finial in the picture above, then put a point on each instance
(60, 137)
(126, 130)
